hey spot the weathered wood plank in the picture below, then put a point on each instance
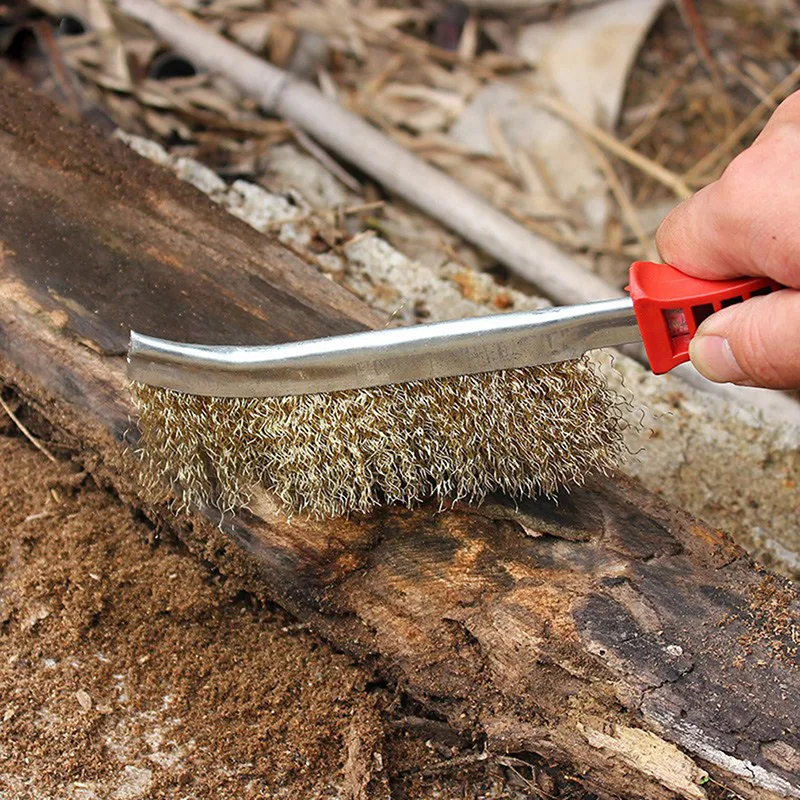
(610, 633)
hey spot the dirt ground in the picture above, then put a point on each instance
(128, 669)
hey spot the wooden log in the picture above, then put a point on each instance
(611, 634)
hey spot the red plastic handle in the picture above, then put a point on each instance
(670, 306)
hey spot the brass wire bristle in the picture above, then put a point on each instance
(524, 432)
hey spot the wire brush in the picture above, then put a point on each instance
(456, 409)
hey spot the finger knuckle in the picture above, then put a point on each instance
(740, 178)
(790, 107)
(664, 236)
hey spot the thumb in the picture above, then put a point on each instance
(755, 343)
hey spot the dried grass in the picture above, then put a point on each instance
(700, 92)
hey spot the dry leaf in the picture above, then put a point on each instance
(584, 59)
(253, 31)
(383, 19)
(450, 102)
(204, 97)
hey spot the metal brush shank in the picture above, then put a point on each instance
(379, 358)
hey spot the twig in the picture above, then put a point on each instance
(743, 128)
(40, 515)
(327, 84)
(751, 85)
(449, 764)
(499, 141)
(731, 794)
(511, 762)
(63, 77)
(314, 150)
(644, 128)
(342, 132)
(535, 174)
(692, 19)
(358, 209)
(468, 44)
(359, 237)
(615, 146)
(26, 433)
(621, 196)
(378, 81)
(416, 47)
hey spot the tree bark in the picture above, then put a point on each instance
(609, 633)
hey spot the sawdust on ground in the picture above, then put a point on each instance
(128, 669)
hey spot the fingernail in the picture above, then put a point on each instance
(713, 357)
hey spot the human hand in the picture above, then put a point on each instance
(747, 224)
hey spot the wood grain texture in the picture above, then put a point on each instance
(610, 633)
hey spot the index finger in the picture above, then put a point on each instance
(748, 222)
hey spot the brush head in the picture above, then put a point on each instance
(523, 431)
